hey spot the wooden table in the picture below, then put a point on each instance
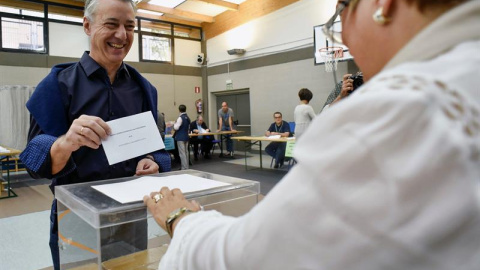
(8, 189)
(222, 134)
(253, 140)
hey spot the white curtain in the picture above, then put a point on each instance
(14, 116)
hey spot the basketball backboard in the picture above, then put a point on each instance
(321, 41)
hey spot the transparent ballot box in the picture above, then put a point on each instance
(98, 232)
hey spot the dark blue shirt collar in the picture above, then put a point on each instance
(90, 66)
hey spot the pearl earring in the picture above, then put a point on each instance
(379, 18)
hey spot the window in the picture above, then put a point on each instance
(23, 27)
(186, 31)
(60, 17)
(23, 8)
(65, 14)
(156, 27)
(22, 35)
(156, 41)
(156, 49)
(157, 38)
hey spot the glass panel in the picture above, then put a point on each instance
(65, 14)
(156, 48)
(186, 31)
(22, 34)
(22, 8)
(156, 27)
(65, 18)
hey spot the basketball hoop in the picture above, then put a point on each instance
(331, 55)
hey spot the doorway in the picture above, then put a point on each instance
(239, 102)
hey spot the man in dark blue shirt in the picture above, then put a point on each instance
(70, 107)
(277, 149)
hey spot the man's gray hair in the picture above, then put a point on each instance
(91, 6)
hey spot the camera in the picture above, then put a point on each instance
(357, 81)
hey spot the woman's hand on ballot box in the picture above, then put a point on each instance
(168, 207)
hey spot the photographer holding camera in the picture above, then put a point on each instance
(349, 84)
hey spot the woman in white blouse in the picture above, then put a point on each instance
(303, 113)
(387, 178)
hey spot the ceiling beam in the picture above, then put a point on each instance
(224, 4)
(178, 13)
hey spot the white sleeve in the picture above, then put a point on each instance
(178, 123)
(204, 240)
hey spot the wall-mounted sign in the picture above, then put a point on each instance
(229, 85)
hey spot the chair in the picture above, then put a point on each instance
(215, 143)
(292, 128)
(288, 154)
(290, 162)
(191, 145)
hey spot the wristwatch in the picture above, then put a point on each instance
(173, 216)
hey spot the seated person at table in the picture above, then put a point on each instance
(277, 149)
(197, 127)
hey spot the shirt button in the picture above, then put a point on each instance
(112, 113)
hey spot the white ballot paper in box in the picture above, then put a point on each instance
(132, 136)
(134, 190)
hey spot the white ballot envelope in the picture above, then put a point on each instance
(132, 136)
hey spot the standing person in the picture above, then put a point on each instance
(70, 107)
(206, 143)
(277, 149)
(161, 124)
(181, 136)
(386, 179)
(303, 113)
(225, 123)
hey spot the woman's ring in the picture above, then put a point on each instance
(81, 131)
(158, 197)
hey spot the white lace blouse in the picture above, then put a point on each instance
(386, 179)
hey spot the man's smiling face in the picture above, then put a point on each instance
(111, 32)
